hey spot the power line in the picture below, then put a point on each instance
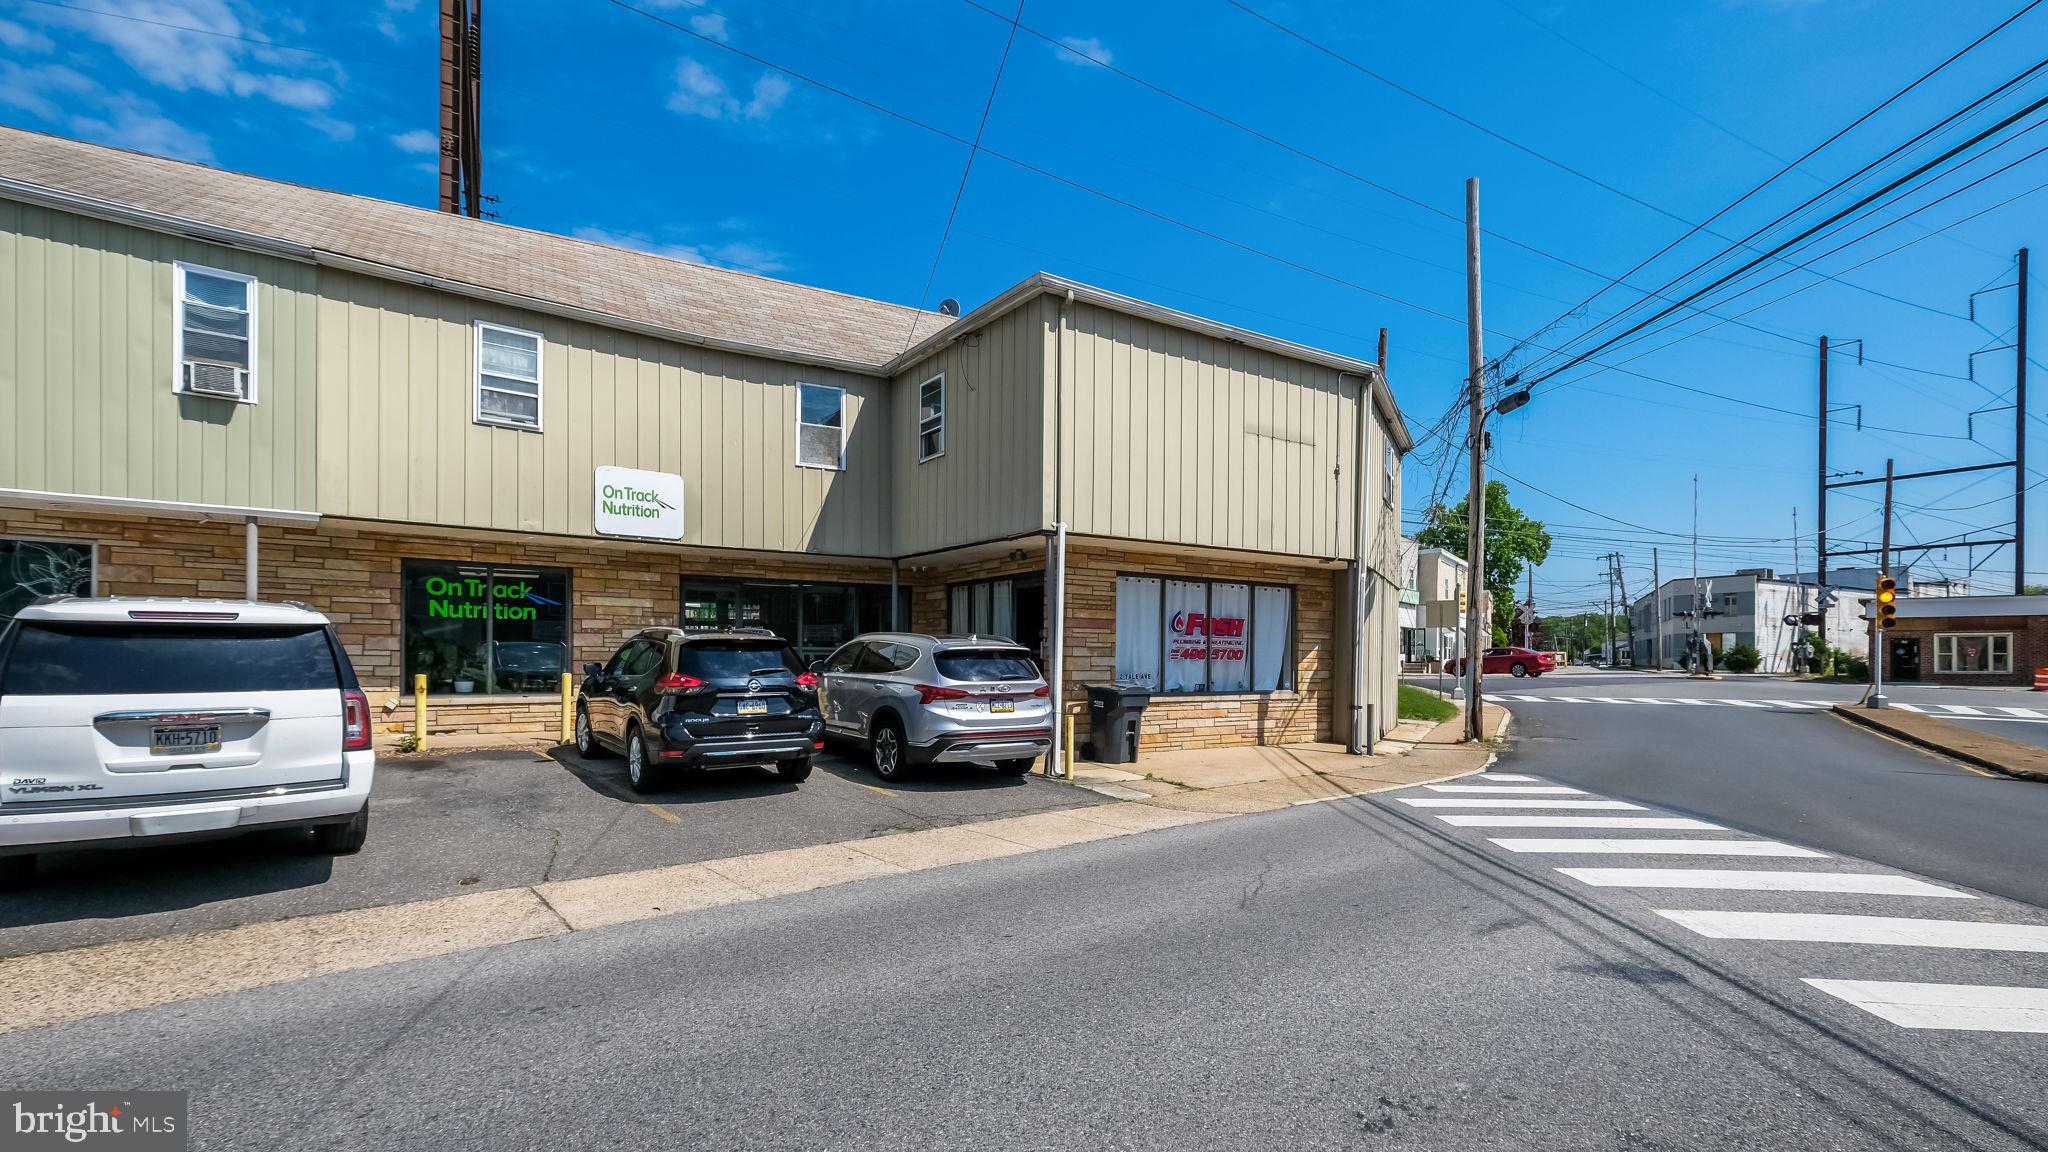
(1975, 139)
(973, 150)
(1808, 155)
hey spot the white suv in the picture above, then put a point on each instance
(143, 721)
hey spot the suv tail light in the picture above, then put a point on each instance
(1042, 691)
(929, 693)
(675, 684)
(807, 680)
(355, 721)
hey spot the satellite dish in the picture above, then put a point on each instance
(949, 307)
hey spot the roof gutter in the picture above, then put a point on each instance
(79, 502)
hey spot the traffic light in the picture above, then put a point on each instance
(1461, 601)
(1887, 601)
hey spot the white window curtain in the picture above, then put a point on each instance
(1229, 619)
(1272, 623)
(1137, 630)
(1187, 641)
(962, 616)
(1002, 617)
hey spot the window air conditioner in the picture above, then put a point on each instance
(210, 379)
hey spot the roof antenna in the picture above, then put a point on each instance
(949, 307)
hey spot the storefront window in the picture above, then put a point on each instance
(1963, 653)
(486, 628)
(1189, 636)
(814, 618)
(34, 568)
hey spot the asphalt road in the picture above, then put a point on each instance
(1799, 774)
(1355, 974)
(470, 822)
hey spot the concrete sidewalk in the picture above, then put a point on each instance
(1970, 745)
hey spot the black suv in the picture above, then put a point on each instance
(670, 697)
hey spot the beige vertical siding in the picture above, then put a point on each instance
(989, 483)
(400, 442)
(1180, 437)
(86, 379)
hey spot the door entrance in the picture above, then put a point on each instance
(1905, 652)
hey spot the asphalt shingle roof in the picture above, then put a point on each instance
(711, 303)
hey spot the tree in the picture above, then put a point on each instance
(1583, 632)
(2034, 589)
(1512, 540)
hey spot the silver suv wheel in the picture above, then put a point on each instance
(636, 760)
(888, 748)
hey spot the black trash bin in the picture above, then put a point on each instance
(1113, 714)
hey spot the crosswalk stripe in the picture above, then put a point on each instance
(2026, 713)
(1695, 701)
(1659, 847)
(1828, 928)
(1670, 823)
(1959, 709)
(1490, 777)
(1748, 880)
(1905, 707)
(1651, 700)
(1966, 1007)
(1749, 703)
(1502, 802)
(1800, 703)
(1509, 790)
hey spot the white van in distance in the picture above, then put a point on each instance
(144, 721)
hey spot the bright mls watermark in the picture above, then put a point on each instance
(128, 1121)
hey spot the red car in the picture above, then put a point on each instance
(1513, 661)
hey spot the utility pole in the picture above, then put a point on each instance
(1529, 611)
(1799, 633)
(2019, 447)
(1884, 568)
(462, 25)
(1475, 504)
(1656, 612)
(1628, 610)
(1820, 572)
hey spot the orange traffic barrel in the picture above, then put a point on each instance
(2041, 679)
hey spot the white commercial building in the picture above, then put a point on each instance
(1745, 607)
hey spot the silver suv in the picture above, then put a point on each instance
(913, 699)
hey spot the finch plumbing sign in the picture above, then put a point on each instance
(635, 503)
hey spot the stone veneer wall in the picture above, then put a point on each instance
(351, 572)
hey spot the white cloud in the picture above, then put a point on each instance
(733, 253)
(388, 14)
(132, 123)
(37, 90)
(702, 92)
(419, 142)
(710, 24)
(22, 39)
(182, 60)
(1072, 48)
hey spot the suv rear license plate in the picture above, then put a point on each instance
(753, 707)
(172, 741)
(1002, 705)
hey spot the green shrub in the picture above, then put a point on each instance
(1742, 658)
(1851, 667)
(1417, 704)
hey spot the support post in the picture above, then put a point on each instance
(1820, 571)
(1361, 500)
(895, 625)
(1884, 568)
(568, 708)
(1475, 546)
(1656, 613)
(419, 712)
(249, 549)
(1059, 759)
(2019, 440)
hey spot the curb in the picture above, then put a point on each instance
(1876, 722)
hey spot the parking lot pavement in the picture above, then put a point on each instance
(471, 821)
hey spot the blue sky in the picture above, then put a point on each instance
(603, 123)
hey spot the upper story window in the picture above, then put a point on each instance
(931, 418)
(216, 332)
(820, 426)
(1389, 463)
(507, 376)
